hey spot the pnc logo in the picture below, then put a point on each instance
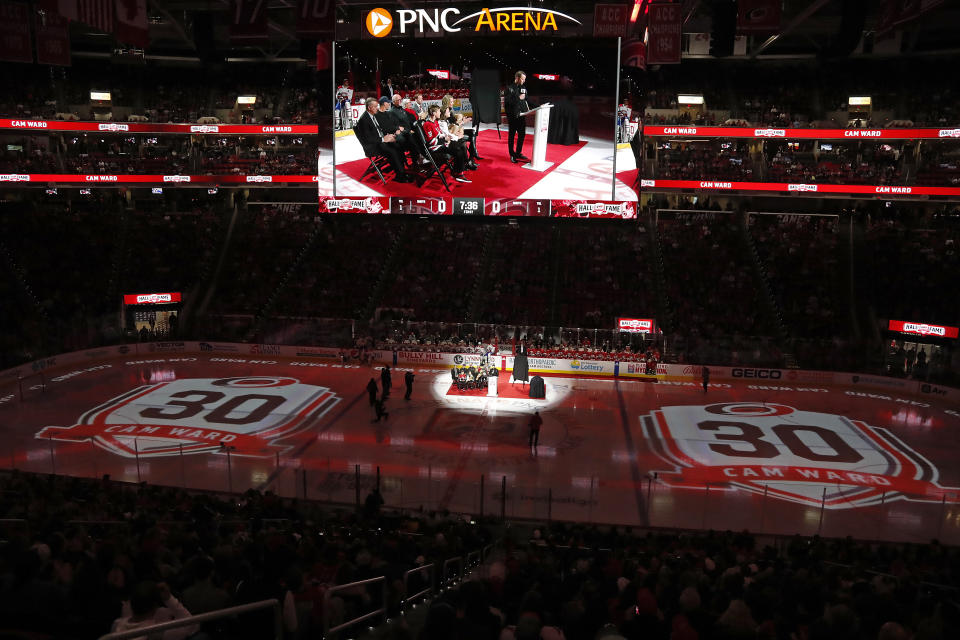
(379, 23)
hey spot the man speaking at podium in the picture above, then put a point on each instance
(515, 103)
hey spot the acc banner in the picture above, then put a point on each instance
(15, 32)
(53, 39)
(664, 30)
(249, 23)
(132, 22)
(610, 20)
(759, 16)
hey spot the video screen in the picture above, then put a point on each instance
(477, 110)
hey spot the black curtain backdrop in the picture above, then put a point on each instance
(564, 123)
(485, 95)
(521, 368)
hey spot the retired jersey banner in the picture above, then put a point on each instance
(634, 54)
(96, 13)
(759, 16)
(249, 21)
(132, 22)
(664, 33)
(15, 44)
(53, 39)
(315, 17)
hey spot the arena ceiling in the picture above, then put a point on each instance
(182, 28)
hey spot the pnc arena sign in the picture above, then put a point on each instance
(382, 22)
(804, 457)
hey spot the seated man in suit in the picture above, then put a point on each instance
(377, 141)
(401, 114)
(391, 120)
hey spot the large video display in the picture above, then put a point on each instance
(473, 109)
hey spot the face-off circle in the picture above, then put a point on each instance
(251, 383)
(749, 409)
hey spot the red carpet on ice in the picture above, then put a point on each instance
(496, 177)
(505, 389)
(628, 177)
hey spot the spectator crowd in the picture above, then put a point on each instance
(83, 557)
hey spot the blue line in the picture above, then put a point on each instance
(632, 450)
(309, 443)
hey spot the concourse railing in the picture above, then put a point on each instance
(379, 611)
(410, 597)
(142, 632)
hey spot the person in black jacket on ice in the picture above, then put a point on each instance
(380, 407)
(385, 381)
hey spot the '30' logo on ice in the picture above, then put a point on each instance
(790, 454)
(196, 415)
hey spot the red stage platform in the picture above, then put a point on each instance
(496, 176)
(505, 389)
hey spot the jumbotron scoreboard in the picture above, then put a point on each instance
(504, 207)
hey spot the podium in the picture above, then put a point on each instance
(540, 128)
(492, 386)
